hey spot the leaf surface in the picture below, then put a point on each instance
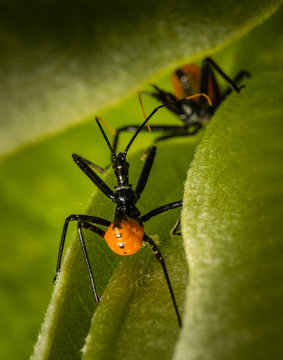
(231, 222)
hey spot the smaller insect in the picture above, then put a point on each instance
(125, 234)
(188, 80)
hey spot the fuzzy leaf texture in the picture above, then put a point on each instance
(233, 207)
(56, 72)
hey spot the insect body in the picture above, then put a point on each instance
(125, 234)
(189, 80)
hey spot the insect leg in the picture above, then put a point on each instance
(207, 66)
(84, 166)
(242, 74)
(101, 233)
(175, 129)
(176, 230)
(181, 131)
(237, 80)
(81, 218)
(162, 96)
(145, 171)
(133, 128)
(161, 209)
(94, 166)
(129, 128)
(160, 259)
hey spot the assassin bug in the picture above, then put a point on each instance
(188, 80)
(125, 234)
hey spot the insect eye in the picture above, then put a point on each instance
(121, 245)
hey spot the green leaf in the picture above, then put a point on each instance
(62, 62)
(132, 296)
(233, 205)
(39, 184)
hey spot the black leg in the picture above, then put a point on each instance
(133, 128)
(145, 171)
(237, 80)
(178, 131)
(207, 64)
(81, 218)
(181, 131)
(176, 230)
(160, 259)
(241, 75)
(84, 166)
(207, 75)
(99, 232)
(161, 209)
(162, 96)
(94, 166)
(157, 128)
(168, 128)
(129, 128)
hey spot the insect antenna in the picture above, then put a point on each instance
(104, 135)
(197, 95)
(144, 114)
(159, 107)
(108, 126)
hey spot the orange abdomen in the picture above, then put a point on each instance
(125, 236)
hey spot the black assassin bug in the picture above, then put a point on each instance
(188, 80)
(125, 234)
